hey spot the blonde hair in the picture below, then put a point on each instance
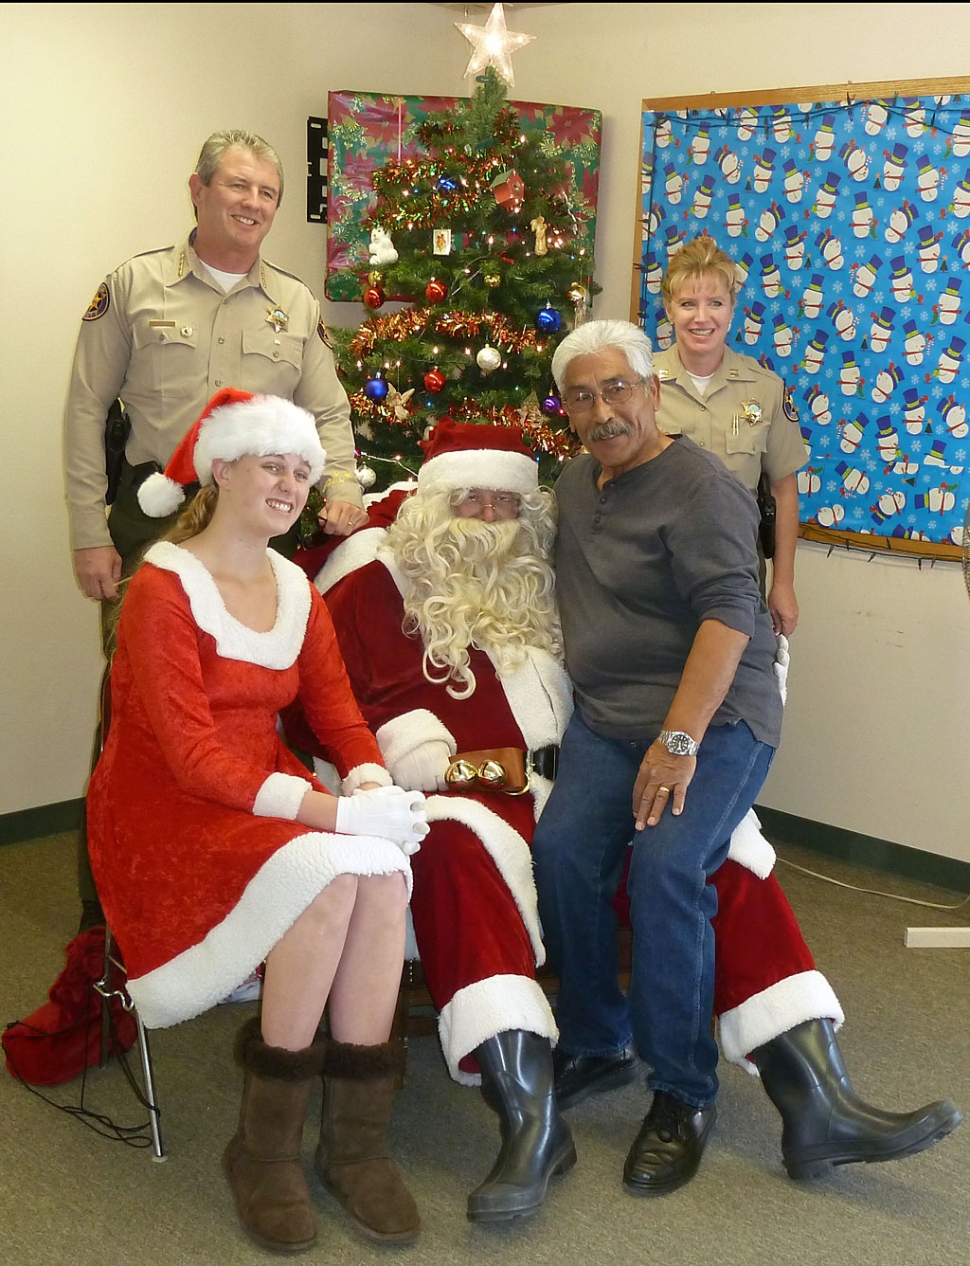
(470, 583)
(700, 258)
(196, 516)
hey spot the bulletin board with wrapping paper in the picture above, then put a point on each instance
(847, 213)
(368, 129)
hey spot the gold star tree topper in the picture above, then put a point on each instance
(493, 45)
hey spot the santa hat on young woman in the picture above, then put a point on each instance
(233, 424)
(477, 455)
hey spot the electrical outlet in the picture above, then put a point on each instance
(937, 938)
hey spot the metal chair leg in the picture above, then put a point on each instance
(107, 992)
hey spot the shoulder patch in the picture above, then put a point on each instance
(791, 409)
(324, 336)
(99, 305)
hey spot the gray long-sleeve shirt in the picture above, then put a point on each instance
(640, 564)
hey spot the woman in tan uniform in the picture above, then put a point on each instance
(730, 404)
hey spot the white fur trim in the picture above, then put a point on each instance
(492, 468)
(263, 425)
(507, 849)
(277, 648)
(159, 496)
(367, 772)
(499, 1004)
(805, 996)
(350, 556)
(272, 901)
(402, 734)
(540, 696)
(280, 796)
(749, 848)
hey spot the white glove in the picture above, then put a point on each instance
(390, 812)
(780, 666)
(423, 767)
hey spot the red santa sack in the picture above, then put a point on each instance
(63, 1037)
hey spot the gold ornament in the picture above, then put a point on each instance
(538, 226)
(492, 279)
(375, 278)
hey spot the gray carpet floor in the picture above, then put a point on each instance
(68, 1196)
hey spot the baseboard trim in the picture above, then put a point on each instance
(865, 850)
(45, 819)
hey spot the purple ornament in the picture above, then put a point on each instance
(551, 406)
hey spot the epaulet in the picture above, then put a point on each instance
(284, 273)
(159, 250)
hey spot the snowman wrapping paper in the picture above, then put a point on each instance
(849, 225)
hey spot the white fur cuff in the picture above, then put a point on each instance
(486, 1008)
(368, 772)
(750, 849)
(280, 796)
(805, 996)
(403, 734)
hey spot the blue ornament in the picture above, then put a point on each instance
(548, 321)
(375, 389)
(447, 184)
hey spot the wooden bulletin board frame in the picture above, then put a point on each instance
(856, 108)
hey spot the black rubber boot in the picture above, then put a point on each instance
(536, 1141)
(825, 1123)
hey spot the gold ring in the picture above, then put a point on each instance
(667, 789)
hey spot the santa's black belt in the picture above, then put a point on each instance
(507, 769)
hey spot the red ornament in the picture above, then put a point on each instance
(509, 190)
(374, 297)
(435, 291)
(434, 380)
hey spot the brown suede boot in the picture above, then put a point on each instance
(352, 1160)
(262, 1161)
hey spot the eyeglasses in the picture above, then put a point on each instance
(581, 400)
(501, 502)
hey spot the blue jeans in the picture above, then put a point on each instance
(579, 848)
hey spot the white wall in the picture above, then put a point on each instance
(103, 108)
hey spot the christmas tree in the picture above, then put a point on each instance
(483, 237)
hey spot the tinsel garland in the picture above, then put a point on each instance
(400, 325)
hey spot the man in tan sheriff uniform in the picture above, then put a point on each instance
(729, 404)
(168, 328)
(165, 332)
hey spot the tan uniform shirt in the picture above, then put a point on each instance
(164, 337)
(742, 418)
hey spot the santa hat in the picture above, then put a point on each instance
(233, 424)
(477, 455)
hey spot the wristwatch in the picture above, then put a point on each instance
(678, 743)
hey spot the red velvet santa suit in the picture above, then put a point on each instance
(469, 925)
(200, 864)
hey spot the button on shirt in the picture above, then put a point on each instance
(716, 422)
(167, 341)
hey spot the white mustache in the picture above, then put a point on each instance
(606, 430)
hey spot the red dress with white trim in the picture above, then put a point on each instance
(200, 864)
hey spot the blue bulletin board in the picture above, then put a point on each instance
(847, 212)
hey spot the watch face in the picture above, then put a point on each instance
(679, 744)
